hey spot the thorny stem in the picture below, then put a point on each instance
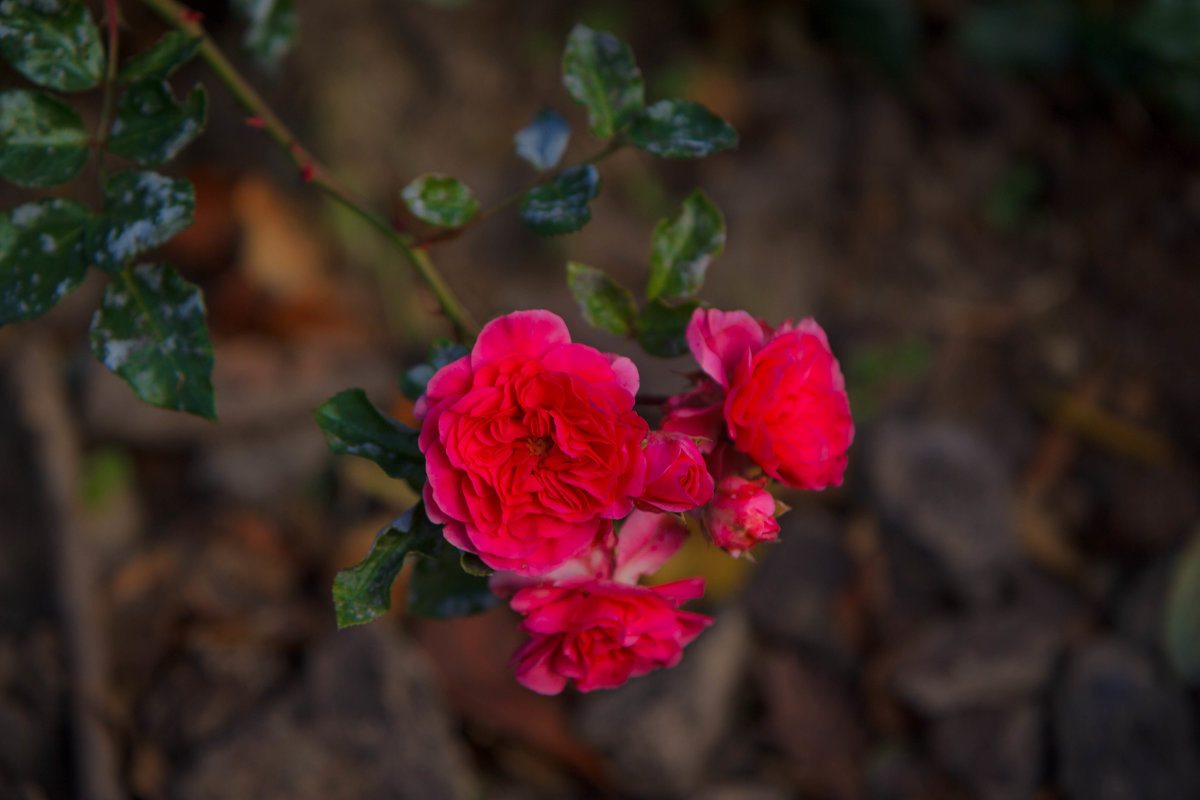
(188, 21)
(113, 13)
(445, 236)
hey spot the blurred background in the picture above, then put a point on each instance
(994, 210)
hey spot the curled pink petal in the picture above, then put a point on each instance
(720, 340)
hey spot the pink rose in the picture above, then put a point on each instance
(601, 633)
(531, 444)
(741, 515)
(785, 403)
(676, 477)
(787, 408)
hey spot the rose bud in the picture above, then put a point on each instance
(676, 476)
(741, 515)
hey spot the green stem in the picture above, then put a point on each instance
(113, 13)
(445, 236)
(186, 20)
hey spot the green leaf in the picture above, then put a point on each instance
(682, 248)
(561, 206)
(599, 73)
(156, 64)
(440, 200)
(544, 140)
(271, 32)
(141, 211)
(440, 587)
(152, 126)
(150, 330)
(42, 140)
(363, 592)
(353, 426)
(605, 304)
(681, 129)
(1181, 623)
(661, 329)
(54, 44)
(42, 256)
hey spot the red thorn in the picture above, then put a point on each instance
(190, 15)
(308, 172)
(255, 122)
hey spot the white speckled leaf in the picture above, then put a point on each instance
(42, 140)
(54, 44)
(599, 72)
(152, 126)
(440, 200)
(271, 32)
(544, 140)
(681, 129)
(150, 330)
(682, 248)
(561, 206)
(604, 303)
(141, 211)
(41, 256)
(168, 54)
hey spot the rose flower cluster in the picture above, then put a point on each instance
(538, 463)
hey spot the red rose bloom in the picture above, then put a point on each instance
(601, 633)
(787, 408)
(785, 401)
(531, 444)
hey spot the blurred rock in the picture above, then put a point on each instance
(1141, 603)
(1140, 507)
(366, 723)
(897, 773)
(257, 469)
(471, 658)
(659, 730)
(742, 791)
(34, 713)
(220, 688)
(948, 489)
(984, 661)
(998, 753)
(793, 597)
(812, 717)
(1123, 731)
